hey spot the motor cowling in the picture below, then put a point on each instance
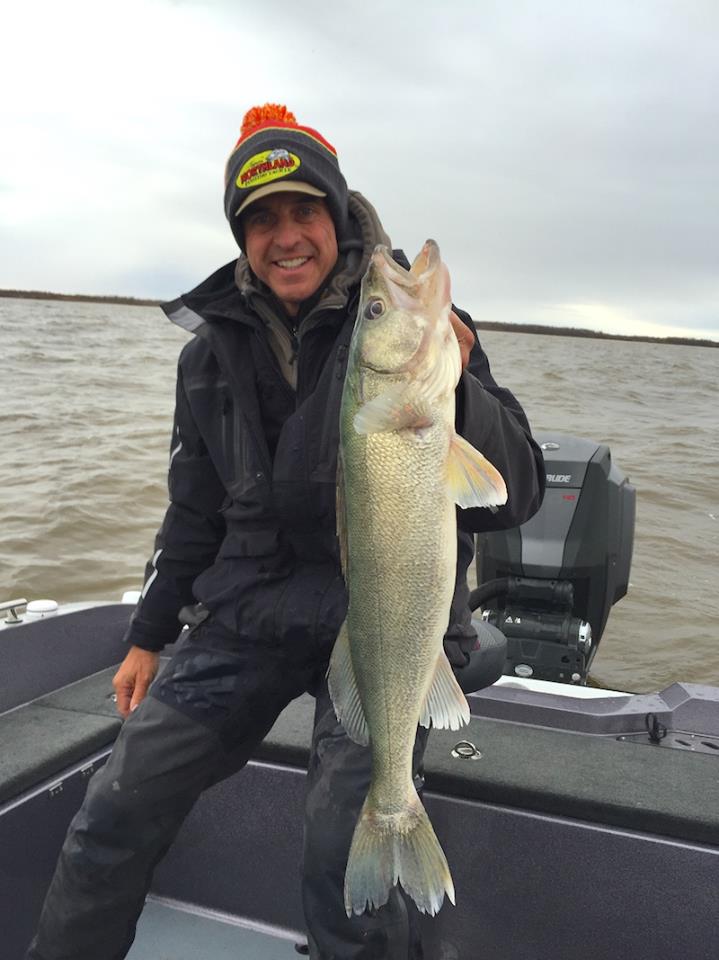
(550, 583)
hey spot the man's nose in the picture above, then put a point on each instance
(287, 232)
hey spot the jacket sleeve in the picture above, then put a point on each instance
(492, 420)
(189, 538)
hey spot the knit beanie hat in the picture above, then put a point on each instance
(274, 153)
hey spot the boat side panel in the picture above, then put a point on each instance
(537, 887)
(32, 830)
(38, 657)
(240, 849)
(530, 886)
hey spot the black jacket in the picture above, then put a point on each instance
(250, 529)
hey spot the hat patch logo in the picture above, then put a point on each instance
(265, 167)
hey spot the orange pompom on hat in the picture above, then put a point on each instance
(274, 154)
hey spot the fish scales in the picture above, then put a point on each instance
(402, 568)
(404, 588)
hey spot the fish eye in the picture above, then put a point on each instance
(374, 309)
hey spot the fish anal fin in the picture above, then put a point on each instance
(445, 705)
(473, 481)
(344, 691)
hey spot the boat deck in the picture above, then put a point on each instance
(182, 932)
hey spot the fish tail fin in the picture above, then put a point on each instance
(399, 847)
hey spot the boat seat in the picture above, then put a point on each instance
(57, 707)
(52, 714)
(38, 743)
(45, 737)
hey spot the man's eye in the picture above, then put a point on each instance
(257, 218)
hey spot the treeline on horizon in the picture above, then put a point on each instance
(78, 298)
(490, 325)
(590, 334)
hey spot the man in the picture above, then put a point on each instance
(247, 555)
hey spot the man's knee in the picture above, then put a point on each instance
(158, 766)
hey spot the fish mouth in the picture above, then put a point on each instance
(389, 269)
(376, 368)
(423, 265)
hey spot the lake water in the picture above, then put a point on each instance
(86, 399)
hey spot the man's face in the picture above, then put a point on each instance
(291, 245)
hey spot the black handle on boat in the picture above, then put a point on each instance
(556, 594)
(488, 591)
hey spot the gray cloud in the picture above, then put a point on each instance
(560, 153)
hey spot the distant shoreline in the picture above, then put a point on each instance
(591, 334)
(78, 298)
(481, 325)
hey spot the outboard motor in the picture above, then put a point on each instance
(549, 584)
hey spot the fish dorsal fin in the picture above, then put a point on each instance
(399, 407)
(344, 692)
(472, 480)
(445, 706)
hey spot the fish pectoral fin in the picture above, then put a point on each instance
(472, 480)
(445, 705)
(344, 691)
(398, 408)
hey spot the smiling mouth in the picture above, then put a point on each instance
(291, 264)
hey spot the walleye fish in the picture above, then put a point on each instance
(401, 470)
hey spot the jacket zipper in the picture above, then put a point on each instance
(296, 360)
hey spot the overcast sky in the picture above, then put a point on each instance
(564, 154)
